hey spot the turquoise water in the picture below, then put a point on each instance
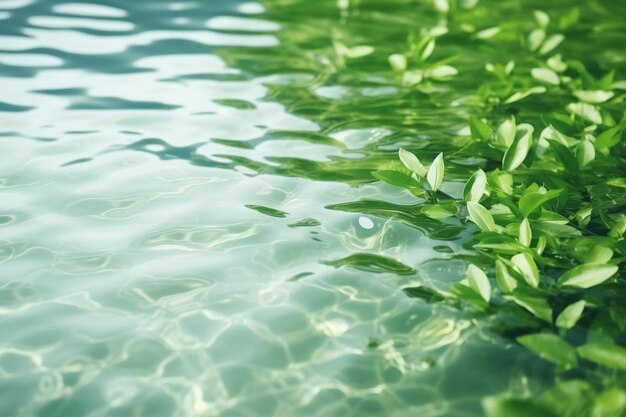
(189, 225)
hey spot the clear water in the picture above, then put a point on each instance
(189, 226)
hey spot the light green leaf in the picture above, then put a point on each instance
(585, 152)
(551, 43)
(520, 95)
(586, 111)
(609, 138)
(502, 181)
(480, 130)
(398, 62)
(506, 133)
(442, 72)
(537, 305)
(479, 282)
(395, 178)
(517, 152)
(551, 348)
(556, 63)
(504, 278)
(434, 176)
(475, 187)
(481, 217)
(439, 211)
(545, 75)
(541, 245)
(542, 18)
(533, 200)
(428, 49)
(412, 163)
(536, 38)
(598, 255)
(594, 96)
(587, 275)
(525, 233)
(527, 267)
(442, 5)
(611, 403)
(488, 33)
(605, 354)
(413, 77)
(570, 315)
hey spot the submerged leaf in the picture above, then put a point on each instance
(587, 275)
(551, 348)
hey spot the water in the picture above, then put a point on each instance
(189, 226)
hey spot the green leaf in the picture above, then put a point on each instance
(481, 217)
(506, 133)
(594, 97)
(398, 62)
(598, 255)
(479, 282)
(412, 163)
(441, 72)
(545, 75)
(611, 403)
(434, 176)
(570, 315)
(525, 233)
(605, 354)
(514, 407)
(504, 277)
(520, 95)
(475, 187)
(551, 348)
(395, 178)
(536, 304)
(587, 275)
(527, 268)
(551, 43)
(585, 152)
(586, 111)
(569, 19)
(533, 200)
(480, 130)
(517, 152)
(565, 155)
(609, 138)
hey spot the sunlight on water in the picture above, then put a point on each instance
(182, 230)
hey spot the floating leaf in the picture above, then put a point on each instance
(504, 277)
(570, 315)
(475, 187)
(594, 97)
(480, 130)
(434, 176)
(525, 233)
(481, 217)
(545, 75)
(551, 348)
(506, 133)
(395, 178)
(605, 354)
(479, 282)
(517, 152)
(587, 275)
(527, 268)
(412, 163)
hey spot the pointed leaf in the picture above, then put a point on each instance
(570, 315)
(479, 282)
(551, 348)
(475, 187)
(396, 178)
(537, 305)
(481, 217)
(504, 278)
(525, 233)
(587, 275)
(412, 163)
(506, 133)
(527, 268)
(517, 152)
(533, 200)
(551, 43)
(434, 176)
(585, 152)
(605, 354)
